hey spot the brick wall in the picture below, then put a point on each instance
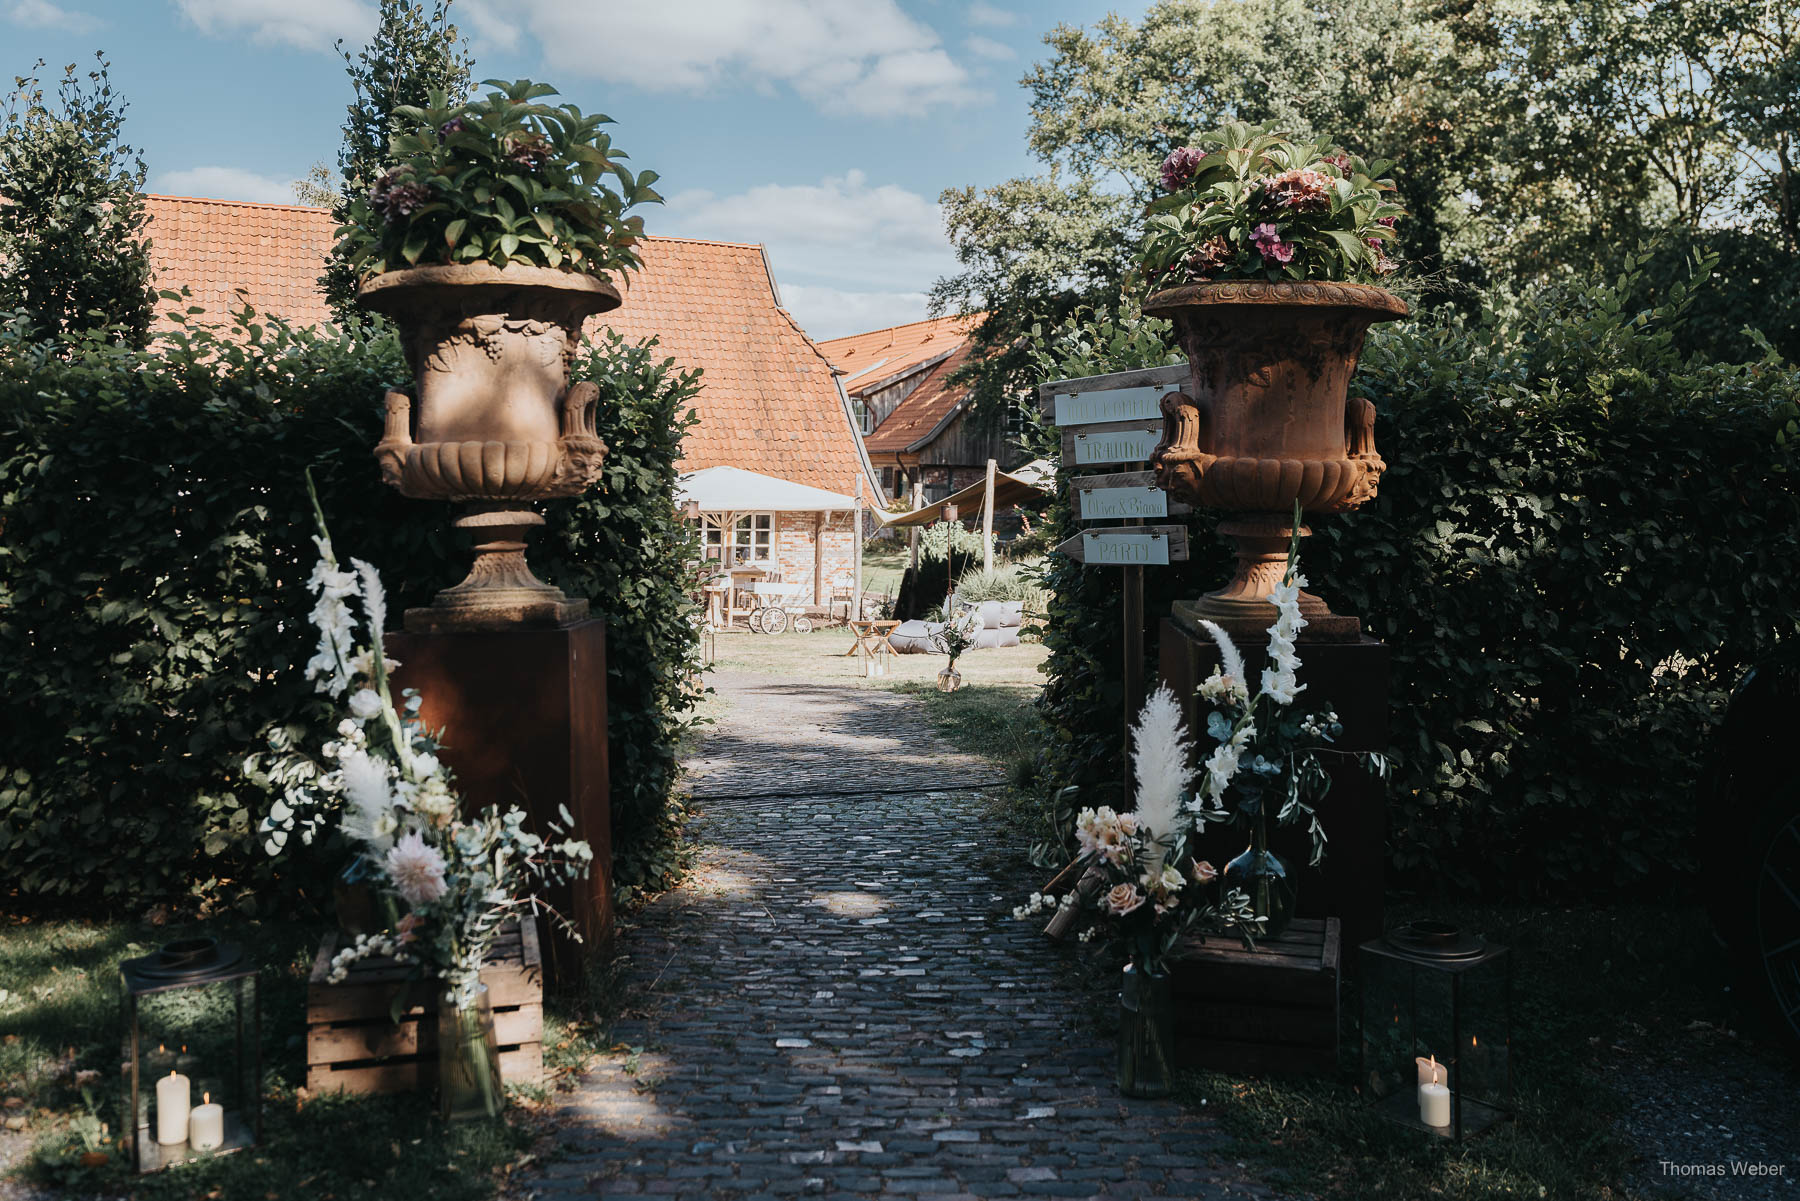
(796, 548)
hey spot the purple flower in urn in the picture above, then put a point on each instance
(1178, 168)
(1269, 244)
(396, 194)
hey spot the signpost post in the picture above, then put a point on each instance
(1115, 421)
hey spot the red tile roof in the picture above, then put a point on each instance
(878, 356)
(926, 409)
(275, 253)
(769, 401)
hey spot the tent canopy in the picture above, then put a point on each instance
(734, 490)
(1022, 486)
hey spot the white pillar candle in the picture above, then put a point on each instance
(1434, 1094)
(1434, 1104)
(206, 1125)
(172, 1101)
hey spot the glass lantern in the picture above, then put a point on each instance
(1437, 1029)
(191, 1063)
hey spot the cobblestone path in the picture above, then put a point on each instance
(839, 1004)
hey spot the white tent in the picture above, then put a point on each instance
(735, 504)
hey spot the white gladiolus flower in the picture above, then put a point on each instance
(417, 870)
(1278, 682)
(365, 703)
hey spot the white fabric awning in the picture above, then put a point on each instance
(734, 490)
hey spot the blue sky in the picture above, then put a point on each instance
(825, 129)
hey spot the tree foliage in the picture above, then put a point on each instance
(414, 52)
(73, 256)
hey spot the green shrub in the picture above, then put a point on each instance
(154, 540)
(1583, 539)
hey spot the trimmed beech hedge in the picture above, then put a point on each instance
(1583, 539)
(154, 539)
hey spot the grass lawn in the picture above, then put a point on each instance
(59, 1060)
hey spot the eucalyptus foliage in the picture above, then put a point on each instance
(154, 534)
(500, 179)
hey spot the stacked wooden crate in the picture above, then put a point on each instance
(1274, 1009)
(354, 1044)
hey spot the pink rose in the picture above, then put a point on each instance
(1204, 872)
(1122, 899)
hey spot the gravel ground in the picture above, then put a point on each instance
(1716, 1117)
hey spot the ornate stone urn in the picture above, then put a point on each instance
(1264, 423)
(493, 422)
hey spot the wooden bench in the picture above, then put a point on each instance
(1274, 1009)
(353, 1043)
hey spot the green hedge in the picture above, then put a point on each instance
(1582, 541)
(155, 538)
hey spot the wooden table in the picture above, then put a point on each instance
(870, 634)
(1274, 1009)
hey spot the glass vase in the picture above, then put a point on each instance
(1266, 880)
(1146, 1034)
(949, 679)
(468, 1058)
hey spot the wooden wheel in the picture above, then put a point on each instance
(802, 624)
(774, 619)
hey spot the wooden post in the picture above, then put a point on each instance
(819, 519)
(856, 526)
(912, 533)
(1132, 616)
(987, 520)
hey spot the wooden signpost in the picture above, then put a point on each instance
(1116, 421)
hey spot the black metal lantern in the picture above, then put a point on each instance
(1437, 1028)
(191, 1065)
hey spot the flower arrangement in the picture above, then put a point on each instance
(1245, 202)
(501, 179)
(1140, 887)
(448, 882)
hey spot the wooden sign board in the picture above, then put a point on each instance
(1110, 443)
(1120, 396)
(1139, 546)
(1124, 495)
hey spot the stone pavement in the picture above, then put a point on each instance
(839, 1004)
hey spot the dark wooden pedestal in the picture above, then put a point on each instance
(1352, 678)
(1274, 1009)
(523, 715)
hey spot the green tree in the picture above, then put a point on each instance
(415, 51)
(73, 256)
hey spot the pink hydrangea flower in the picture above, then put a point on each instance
(1301, 188)
(1269, 244)
(1178, 168)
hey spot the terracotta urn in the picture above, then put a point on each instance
(1265, 422)
(492, 421)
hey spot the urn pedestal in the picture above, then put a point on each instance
(524, 719)
(1266, 422)
(492, 422)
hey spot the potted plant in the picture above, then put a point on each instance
(497, 232)
(1265, 254)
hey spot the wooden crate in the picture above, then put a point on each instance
(353, 1043)
(1274, 1009)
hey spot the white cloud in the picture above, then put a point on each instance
(870, 58)
(309, 24)
(841, 230)
(989, 48)
(41, 14)
(224, 183)
(985, 14)
(826, 313)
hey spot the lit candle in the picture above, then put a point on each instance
(206, 1127)
(1434, 1094)
(172, 1101)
